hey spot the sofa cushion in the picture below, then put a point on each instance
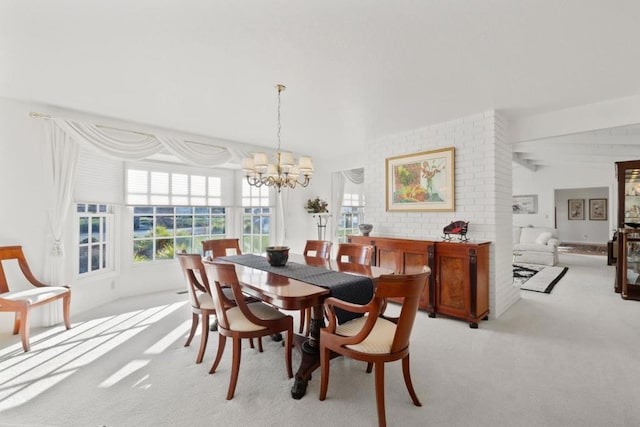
(543, 238)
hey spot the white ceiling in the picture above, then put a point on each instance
(355, 70)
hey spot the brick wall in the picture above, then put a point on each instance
(482, 191)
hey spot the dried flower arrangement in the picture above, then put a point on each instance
(316, 205)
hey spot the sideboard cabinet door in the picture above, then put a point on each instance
(462, 280)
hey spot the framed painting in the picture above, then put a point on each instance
(421, 181)
(576, 209)
(597, 209)
(525, 204)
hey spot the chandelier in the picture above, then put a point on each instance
(284, 172)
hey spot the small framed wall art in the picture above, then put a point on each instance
(597, 209)
(576, 209)
(525, 204)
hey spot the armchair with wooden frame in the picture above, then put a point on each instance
(254, 320)
(21, 301)
(375, 338)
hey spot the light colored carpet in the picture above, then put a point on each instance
(570, 360)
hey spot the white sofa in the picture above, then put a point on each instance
(535, 245)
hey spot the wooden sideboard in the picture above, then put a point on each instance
(403, 256)
(459, 282)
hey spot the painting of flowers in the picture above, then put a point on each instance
(421, 181)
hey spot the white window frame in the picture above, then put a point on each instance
(104, 213)
(256, 204)
(352, 205)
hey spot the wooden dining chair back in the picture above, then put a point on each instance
(355, 253)
(375, 338)
(313, 249)
(318, 249)
(245, 320)
(21, 301)
(221, 247)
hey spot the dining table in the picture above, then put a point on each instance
(305, 282)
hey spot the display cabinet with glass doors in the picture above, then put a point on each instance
(628, 236)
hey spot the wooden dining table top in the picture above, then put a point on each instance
(291, 294)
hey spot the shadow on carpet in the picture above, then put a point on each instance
(537, 278)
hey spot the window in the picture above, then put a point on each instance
(256, 218)
(351, 215)
(95, 237)
(158, 188)
(159, 232)
(173, 212)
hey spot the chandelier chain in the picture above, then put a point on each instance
(279, 126)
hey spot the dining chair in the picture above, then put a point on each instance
(355, 253)
(313, 249)
(374, 338)
(21, 301)
(201, 302)
(318, 249)
(221, 247)
(253, 320)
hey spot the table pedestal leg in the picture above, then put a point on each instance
(310, 350)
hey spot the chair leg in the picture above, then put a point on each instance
(407, 380)
(235, 367)
(382, 419)
(204, 338)
(195, 319)
(24, 327)
(16, 323)
(260, 349)
(303, 312)
(369, 367)
(307, 322)
(222, 340)
(66, 304)
(324, 372)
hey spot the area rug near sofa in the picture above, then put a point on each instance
(537, 278)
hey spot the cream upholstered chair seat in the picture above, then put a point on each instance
(239, 322)
(379, 339)
(35, 295)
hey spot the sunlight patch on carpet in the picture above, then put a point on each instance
(537, 278)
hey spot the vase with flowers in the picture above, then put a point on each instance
(317, 205)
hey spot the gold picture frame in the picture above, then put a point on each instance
(421, 181)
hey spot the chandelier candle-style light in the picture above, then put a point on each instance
(284, 172)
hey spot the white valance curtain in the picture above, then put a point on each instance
(133, 146)
(63, 137)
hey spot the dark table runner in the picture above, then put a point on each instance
(344, 286)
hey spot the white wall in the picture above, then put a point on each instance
(586, 230)
(572, 183)
(482, 188)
